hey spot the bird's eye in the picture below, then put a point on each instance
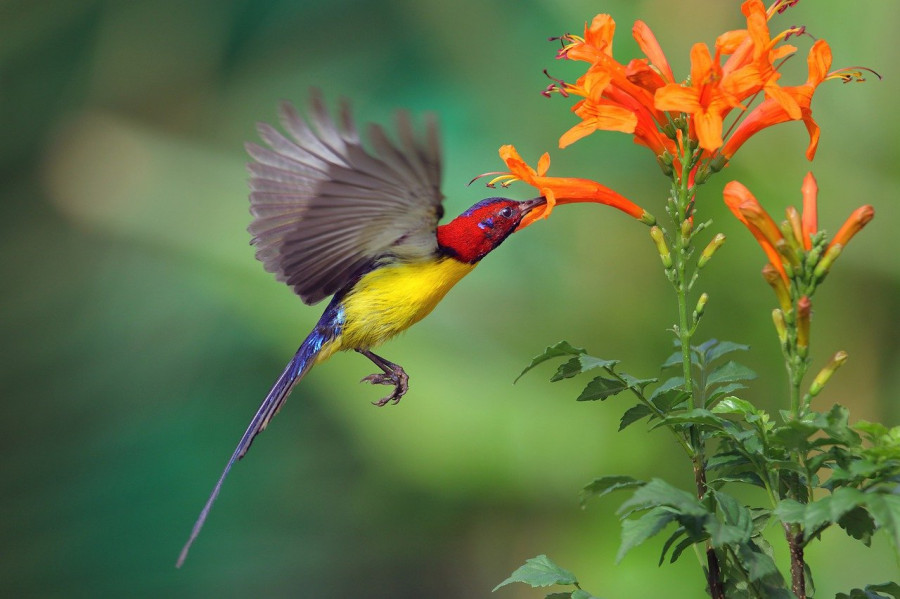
(506, 212)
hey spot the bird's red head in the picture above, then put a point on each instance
(473, 234)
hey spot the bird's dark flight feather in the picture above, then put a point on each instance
(325, 207)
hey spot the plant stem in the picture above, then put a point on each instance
(794, 535)
(685, 333)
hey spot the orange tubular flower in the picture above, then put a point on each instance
(771, 112)
(562, 190)
(744, 206)
(705, 99)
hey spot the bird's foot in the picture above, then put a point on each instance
(397, 377)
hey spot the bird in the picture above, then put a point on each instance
(333, 218)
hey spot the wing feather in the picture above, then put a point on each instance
(326, 208)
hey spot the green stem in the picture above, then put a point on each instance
(681, 197)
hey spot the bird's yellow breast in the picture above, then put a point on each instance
(390, 299)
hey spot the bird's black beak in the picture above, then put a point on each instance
(529, 205)
(526, 207)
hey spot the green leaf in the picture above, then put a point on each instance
(790, 511)
(636, 531)
(679, 532)
(695, 416)
(885, 511)
(563, 348)
(658, 492)
(873, 591)
(580, 364)
(735, 405)
(725, 347)
(607, 484)
(737, 525)
(633, 414)
(729, 372)
(539, 571)
(858, 524)
(601, 388)
(673, 360)
(636, 383)
(580, 594)
(563, 595)
(757, 564)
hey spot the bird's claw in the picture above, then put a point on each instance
(398, 378)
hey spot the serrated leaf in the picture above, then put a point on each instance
(757, 564)
(729, 372)
(885, 511)
(679, 532)
(790, 511)
(737, 524)
(563, 348)
(873, 591)
(601, 388)
(607, 484)
(633, 414)
(578, 365)
(581, 594)
(636, 383)
(723, 348)
(858, 524)
(658, 492)
(679, 549)
(734, 405)
(539, 571)
(638, 530)
(695, 416)
(719, 392)
(673, 360)
(675, 383)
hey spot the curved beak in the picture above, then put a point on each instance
(526, 207)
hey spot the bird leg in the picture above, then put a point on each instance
(393, 375)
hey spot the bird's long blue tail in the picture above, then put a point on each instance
(299, 365)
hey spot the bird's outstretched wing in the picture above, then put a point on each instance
(324, 208)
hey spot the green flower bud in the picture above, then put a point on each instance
(710, 249)
(659, 239)
(825, 374)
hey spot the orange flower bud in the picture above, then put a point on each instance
(804, 312)
(810, 225)
(857, 220)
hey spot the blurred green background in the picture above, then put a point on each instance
(140, 334)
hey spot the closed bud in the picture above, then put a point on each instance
(665, 168)
(669, 130)
(824, 265)
(796, 227)
(776, 282)
(789, 254)
(825, 374)
(710, 249)
(679, 122)
(702, 175)
(780, 326)
(717, 163)
(659, 239)
(701, 306)
(804, 312)
(687, 225)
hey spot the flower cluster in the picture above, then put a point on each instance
(799, 254)
(682, 122)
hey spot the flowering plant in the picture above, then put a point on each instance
(815, 468)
